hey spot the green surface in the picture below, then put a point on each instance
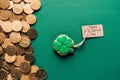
(98, 58)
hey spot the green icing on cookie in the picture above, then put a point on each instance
(61, 39)
(57, 45)
(63, 45)
(63, 50)
(68, 43)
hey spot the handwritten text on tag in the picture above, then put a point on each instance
(91, 31)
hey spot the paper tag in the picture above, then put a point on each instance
(91, 31)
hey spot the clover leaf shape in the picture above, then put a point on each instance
(63, 45)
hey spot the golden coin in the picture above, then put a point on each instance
(11, 5)
(14, 17)
(10, 50)
(16, 25)
(34, 69)
(4, 15)
(6, 43)
(17, 9)
(6, 26)
(9, 77)
(16, 1)
(15, 37)
(27, 9)
(41, 74)
(20, 50)
(25, 67)
(31, 19)
(25, 25)
(32, 33)
(3, 74)
(25, 42)
(4, 4)
(7, 66)
(2, 38)
(29, 57)
(16, 74)
(10, 59)
(35, 4)
(19, 60)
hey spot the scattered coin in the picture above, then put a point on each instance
(10, 59)
(15, 37)
(3, 74)
(10, 50)
(35, 4)
(19, 60)
(6, 43)
(17, 9)
(6, 26)
(32, 33)
(16, 74)
(19, 50)
(27, 9)
(16, 25)
(25, 42)
(29, 57)
(32, 76)
(4, 4)
(7, 66)
(31, 19)
(25, 25)
(14, 17)
(4, 14)
(34, 69)
(25, 67)
(41, 74)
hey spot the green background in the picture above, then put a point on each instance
(98, 58)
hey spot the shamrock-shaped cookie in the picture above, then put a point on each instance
(63, 45)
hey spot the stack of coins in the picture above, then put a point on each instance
(16, 51)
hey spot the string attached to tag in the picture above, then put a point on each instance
(64, 45)
(80, 44)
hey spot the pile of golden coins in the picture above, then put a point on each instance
(16, 51)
